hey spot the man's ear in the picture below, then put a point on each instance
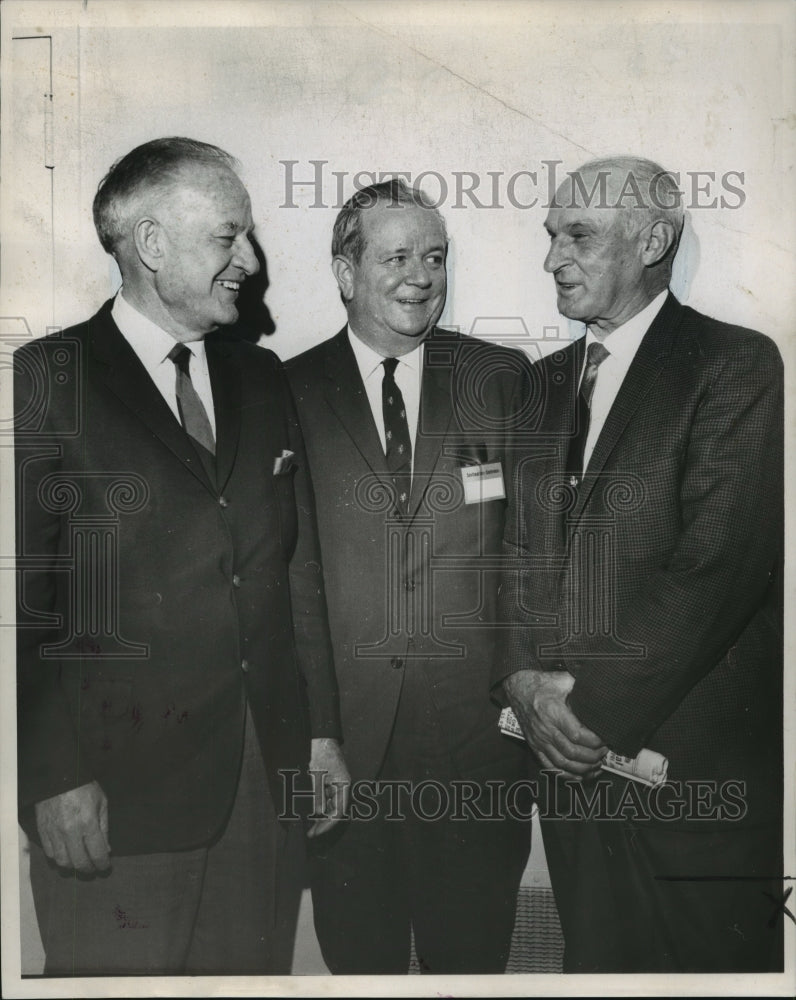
(343, 270)
(149, 242)
(659, 239)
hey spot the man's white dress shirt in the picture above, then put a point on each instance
(622, 345)
(408, 375)
(152, 345)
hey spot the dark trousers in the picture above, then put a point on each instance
(453, 882)
(647, 898)
(225, 909)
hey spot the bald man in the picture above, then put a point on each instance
(648, 613)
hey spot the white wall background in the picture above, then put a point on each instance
(435, 86)
(438, 86)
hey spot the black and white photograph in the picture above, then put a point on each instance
(395, 494)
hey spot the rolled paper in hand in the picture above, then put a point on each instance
(650, 767)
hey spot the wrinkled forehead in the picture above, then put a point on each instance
(595, 196)
(389, 222)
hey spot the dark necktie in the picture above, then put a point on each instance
(396, 433)
(193, 414)
(596, 354)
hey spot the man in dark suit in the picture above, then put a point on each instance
(644, 602)
(405, 425)
(173, 645)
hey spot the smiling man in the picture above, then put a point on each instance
(172, 623)
(648, 611)
(406, 427)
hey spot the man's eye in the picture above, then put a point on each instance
(435, 259)
(226, 240)
(397, 259)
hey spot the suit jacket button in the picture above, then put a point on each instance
(396, 662)
(235, 580)
(223, 502)
(409, 584)
(244, 666)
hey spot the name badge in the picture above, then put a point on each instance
(483, 482)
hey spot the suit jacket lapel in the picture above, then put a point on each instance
(436, 412)
(346, 395)
(225, 379)
(118, 367)
(641, 375)
(561, 389)
(556, 428)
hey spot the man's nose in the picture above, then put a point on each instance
(418, 273)
(554, 258)
(245, 258)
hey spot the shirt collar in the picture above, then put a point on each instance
(369, 360)
(150, 342)
(623, 342)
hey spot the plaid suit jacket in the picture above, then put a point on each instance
(656, 582)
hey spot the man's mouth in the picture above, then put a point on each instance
(412, 302)
(233, 286)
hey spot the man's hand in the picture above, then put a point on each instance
(552, 730)
(73, 828)
(332, 784)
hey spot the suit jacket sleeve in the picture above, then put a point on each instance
(49, 761)
(695, 605)
(523, 576)
(308, 598)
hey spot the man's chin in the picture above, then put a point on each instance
(230, 317)
(569, 310)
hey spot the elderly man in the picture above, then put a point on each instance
(406, 427)
(172, 624)
(649, 616)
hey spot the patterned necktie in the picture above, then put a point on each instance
(596, 354)
(396, 432)
(193, 414)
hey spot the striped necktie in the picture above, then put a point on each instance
(596, 354)
(193, 414)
